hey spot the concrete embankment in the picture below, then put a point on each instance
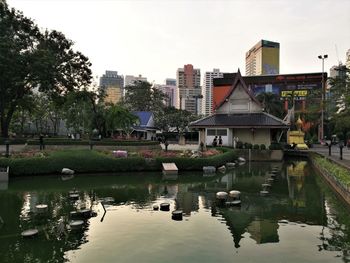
(331, 176)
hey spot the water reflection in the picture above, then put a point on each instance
(296, 196)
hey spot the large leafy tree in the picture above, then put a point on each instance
(174, 118)
(118, 117)
(340, 101)
(141, 96)
(31, 60)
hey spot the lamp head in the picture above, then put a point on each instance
(320, 57)
(325, 56)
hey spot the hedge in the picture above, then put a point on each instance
(57, 141)
(13, 140)
(90, 161)
(229, 155)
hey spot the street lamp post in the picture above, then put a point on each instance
(322, 98)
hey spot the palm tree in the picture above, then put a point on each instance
(271, 103)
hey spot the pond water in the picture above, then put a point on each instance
(300, 221)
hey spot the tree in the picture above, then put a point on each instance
(340, 99)
(118, 117)
(172, 117)
(142, 97)
(33, 60)
(271, 103)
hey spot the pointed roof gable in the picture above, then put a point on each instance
(238, 80)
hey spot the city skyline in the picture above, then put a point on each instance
(153, 38)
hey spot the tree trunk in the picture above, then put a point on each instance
(4, 129)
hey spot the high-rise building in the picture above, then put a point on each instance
(170, 90)
(113, 85)
(207, 102)
(111, 78)
(263, 59)
(130, 80)
(188, 83)
(170, 82)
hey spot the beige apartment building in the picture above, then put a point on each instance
(263, 59)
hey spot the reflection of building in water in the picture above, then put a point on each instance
(186, 200)
(263, 231)
(295, 178)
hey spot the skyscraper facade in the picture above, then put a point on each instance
(207, 102)
(130, 80)
(171, 91)
(188, 83)
(263, 59)
(113, 84)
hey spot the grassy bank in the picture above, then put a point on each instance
(341, 174)
(91, 161)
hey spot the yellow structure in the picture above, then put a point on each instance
(297, 137)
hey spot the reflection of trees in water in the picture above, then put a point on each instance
(48, 246)
(335, 235)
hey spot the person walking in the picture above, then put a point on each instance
(215, 141)
(220, 141)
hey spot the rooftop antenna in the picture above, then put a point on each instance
(336, 51)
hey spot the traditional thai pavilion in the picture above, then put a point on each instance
(238, 116)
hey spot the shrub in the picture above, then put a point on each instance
(108, 142)
(275, 146)
(239, 145)
(91, 161)
(256, 147)
(262, 146)
(228, 155)
(13, 141)
(81, 161)
(248, 145)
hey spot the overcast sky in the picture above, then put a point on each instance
(154, 38)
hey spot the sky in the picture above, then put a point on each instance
(155, 38)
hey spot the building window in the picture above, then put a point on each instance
(216, 132)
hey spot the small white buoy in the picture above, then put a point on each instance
(67, 171)
(234, 202)
(29, 233)
(165, 207)
(241, 160)
(73, 192)
(222, 169)
(264, 193)
(41, 208)
(176, 215)
(266, 185)
(230, 165)
(76, 224)
(108, 200)
(85, 213)
(283, 221)
(270, 180)
(235, 194)
(155, 207)
(74, 214)
(74, 196)
(221, 195)
(209, 169)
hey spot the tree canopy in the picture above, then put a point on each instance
(141, 96)
(32, 60)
